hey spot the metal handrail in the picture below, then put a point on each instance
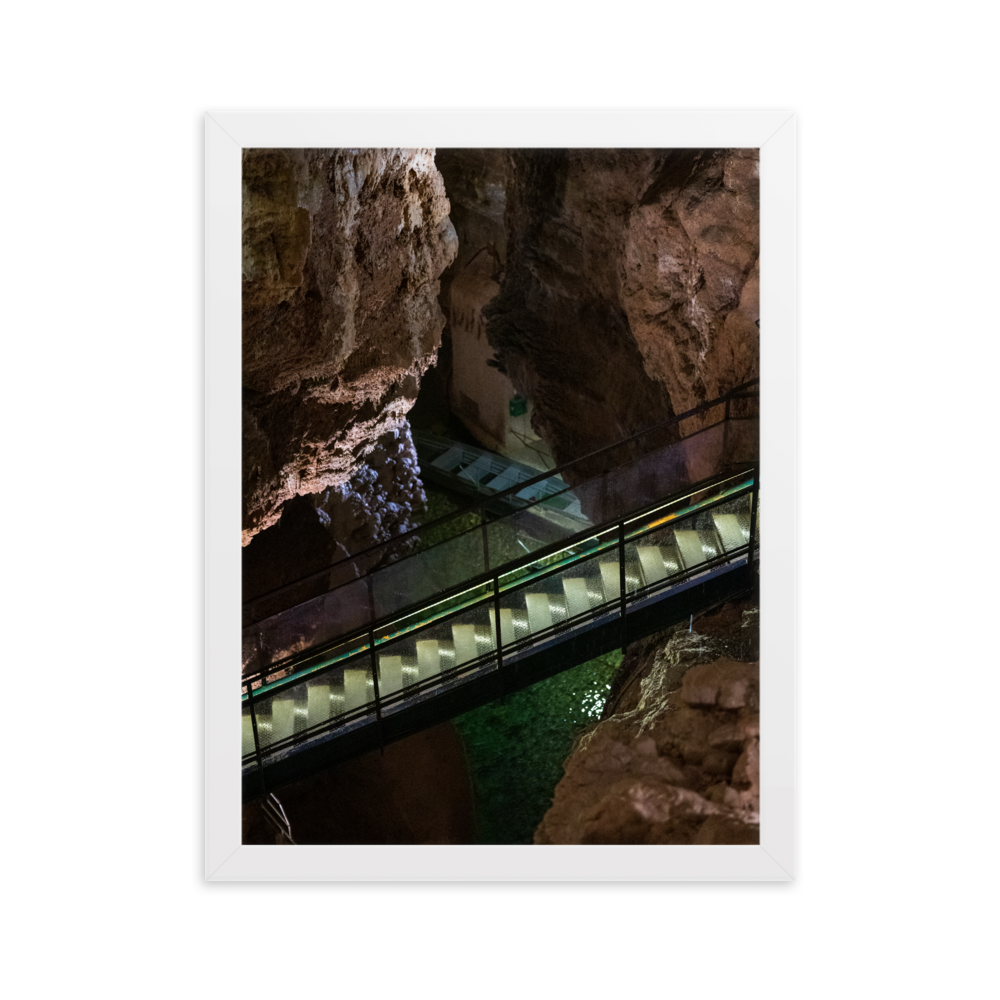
(274, 812)
(415, 691)
(739, 392)
(382, 623)
(568, 626)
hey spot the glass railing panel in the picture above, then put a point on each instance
(420, 660)
(249, 749)
(276, 717)
(333, 697)
(683, 504)
(555, 499)
(523, 532)
(742, 439)
(446, 566)
(704, 453)
(668, 547)
(315, 661)
(421, 576)
(714, 414)
(319, 583)
(321, 620)
(732, 522)
(567, 593)
(634, 580)
(434, 610)
(639, 483)
(581, 548)
(252, 660)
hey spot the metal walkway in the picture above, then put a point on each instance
(476, 472)
(404, 647)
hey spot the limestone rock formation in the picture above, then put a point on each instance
(342, 252)
(690, 274)
(677, 761)
(477, 392)
(630, 286)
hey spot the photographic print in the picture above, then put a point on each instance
(500, 496)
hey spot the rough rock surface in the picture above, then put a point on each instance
(678, 760)
(322, 530)
(690, 274)
(643, 258)
(474, 179)
(417, 792)
(375, 504)
(342, 251)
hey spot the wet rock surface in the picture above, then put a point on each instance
(676, 760)
(630, 286)
(342, 251)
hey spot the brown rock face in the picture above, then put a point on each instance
(630, 286)
(475, 182)
(679, 764)
(690, 274)
(342, 251)
(418, 792)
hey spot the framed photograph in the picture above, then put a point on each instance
(489, 402)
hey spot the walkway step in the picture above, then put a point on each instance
(465, 643)
(428, 658)
(731, 531)
(390, 675)
(610, 575)
(507, 634)
(451, 458)
(483, 467)
(653, 567)
(689, 543)
(539, 612)
(355, 689)
(318, 704)
(248, 745)
(577, 598)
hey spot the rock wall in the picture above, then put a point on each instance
(342, 252)
(630, 286)
(477, 392)
(676, 760)
(321, 530)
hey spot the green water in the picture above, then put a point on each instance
(516, 749)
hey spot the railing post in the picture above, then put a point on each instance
(256, 739)
(725, 432)
(260, 660)
(378, 706)
(753, 514)
(621, 576)
(497, 633)
(486, 547)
